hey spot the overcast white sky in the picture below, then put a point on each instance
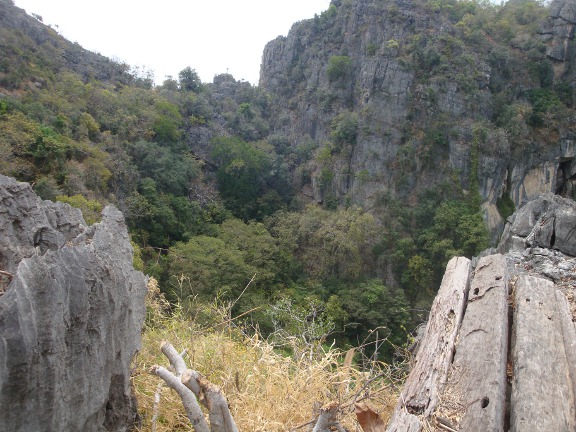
(211, 36)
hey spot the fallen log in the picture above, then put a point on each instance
(192, 387)
(542, 396)
(189, 401)
(211, 396)
(328, 420)
(420, 395)
(474, 398)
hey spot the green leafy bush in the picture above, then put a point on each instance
(91, 209)
(338, 67)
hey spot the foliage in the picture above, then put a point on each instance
(167, 122)
(338, 67)
(173, 172)
(303, 328)
(543, 101)
(244, 177)
(159, 219)
(258, 249)
(210, 268)
(376, 312)
(91, 209)
(505, 206)
(457, 230)
(328, 244)
(189, 80)
(345, 129)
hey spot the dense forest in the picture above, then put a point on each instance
(216, 191)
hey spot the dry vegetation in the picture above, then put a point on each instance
(266, 391)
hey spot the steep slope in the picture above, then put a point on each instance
(407, 97)
(32, 53)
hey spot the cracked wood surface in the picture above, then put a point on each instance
(470, 377)
(542, 395)
(422, 389)
(474, 397)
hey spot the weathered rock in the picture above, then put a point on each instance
(415, 128)
(420, 396)
(26, 223)
(542, 395)
(547, 221)
(70, 319)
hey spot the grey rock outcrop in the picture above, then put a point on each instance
(549, 221)
(513, 365)
(558, 31)
(71, 314)
(416, 128)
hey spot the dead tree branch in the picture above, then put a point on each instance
(192, 387)
(328, 419)
(189, 401)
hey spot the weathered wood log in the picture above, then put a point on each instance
(211, 396)
(474, 398)
(569, 336)
(542, 395)
(403, 421)
(327, 420)
(428, 377)
(189, 401)
(175, 359)
(190, 379)
(192, 387)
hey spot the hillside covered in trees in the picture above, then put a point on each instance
(384, 138)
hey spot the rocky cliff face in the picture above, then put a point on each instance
(71, 312)
(422, 100)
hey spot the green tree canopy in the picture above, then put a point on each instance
(189, 80)
(243, 174)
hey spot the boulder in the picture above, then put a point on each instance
(71, 313)
(547, 221)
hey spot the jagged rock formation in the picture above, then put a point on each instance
(71, 312)
(416, 128)
(503, 356)
(547, 221)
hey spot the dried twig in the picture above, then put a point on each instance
(7, 274)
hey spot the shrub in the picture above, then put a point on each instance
(338, 67)
(90, 208)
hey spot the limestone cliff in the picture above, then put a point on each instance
(423, 95)
(71, 312)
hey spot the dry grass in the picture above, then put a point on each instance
(266, 391)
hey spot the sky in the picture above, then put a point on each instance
(210, 36)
